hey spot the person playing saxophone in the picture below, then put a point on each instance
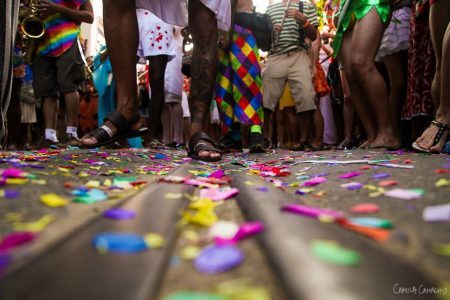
(57, 67)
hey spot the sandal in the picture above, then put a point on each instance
(104, 135)
(200, 141)
(442, 128)
(155, 144)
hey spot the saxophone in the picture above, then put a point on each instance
(33, 29)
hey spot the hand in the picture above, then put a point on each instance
(277, 28)
(46, 7)
(296, 14)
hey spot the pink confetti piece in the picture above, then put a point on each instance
(309, 211)
(404, 194)
(218, 194)
(386, 183)
(315, 181)
(16, 239)
(217, 174)
(350, 175)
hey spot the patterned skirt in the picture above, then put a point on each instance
(421, 68)
(238, 85)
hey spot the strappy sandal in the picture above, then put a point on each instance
(442, 128)
(104, 135)
(200, 141)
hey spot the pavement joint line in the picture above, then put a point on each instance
(46, 274)
(286, 242)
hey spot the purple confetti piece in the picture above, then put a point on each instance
(119, 214)
(9, 194)
(350, 175)
(352, 186)
(262, 189)
(381, 175)
(217, 259)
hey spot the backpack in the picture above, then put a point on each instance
(261, 27)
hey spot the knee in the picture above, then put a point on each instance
(360, 66)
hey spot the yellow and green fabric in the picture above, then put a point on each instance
(356, 10)
(238, 85)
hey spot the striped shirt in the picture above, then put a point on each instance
(60, 31)
(292, 35)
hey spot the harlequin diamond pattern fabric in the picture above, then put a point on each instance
(238, 84)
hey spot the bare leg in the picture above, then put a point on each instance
(157, 69)
(317, 141)
(204, 65)
(439, 18)
(13, 116)
(292, 122)
(357, 95)
(365, 43)
(167, 124)
(71, 100)
(50, 111)
(281, 128)
(397, 76)
(348, 110)
(443, 112)
(305, 119)
(122, 37)
(267, 124)
(186, 129)
(177, 122)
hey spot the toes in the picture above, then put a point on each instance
(203, 153)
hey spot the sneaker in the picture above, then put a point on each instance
(256, 143)
(227, 144)
(68, 141)
(347, 145)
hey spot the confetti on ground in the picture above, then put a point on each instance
(437, 213)
(119, 242)
(405, 194)
(53, 200)
(365, 208)
(331, 252)
(119, 214)
(218, 259)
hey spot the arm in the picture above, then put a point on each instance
(83, 15)
(310, 31)
(315, 48)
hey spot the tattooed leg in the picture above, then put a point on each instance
(203, 27)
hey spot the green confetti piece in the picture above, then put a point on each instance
(192, 296)
(333, 253)
(442, 249)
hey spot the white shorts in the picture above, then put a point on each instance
(175, 11)
(155, 36)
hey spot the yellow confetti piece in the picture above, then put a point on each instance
(190, 235)
(190, 252)
(39, 181)
(13, 217)
(93, 184)
(107, 182)
(249, 183)
(53, 200)
(16, 180)
(83, 174)
(326, 219)
(370, 187)
(154, 240)
(173, 196)
(201, 218)
(442, 182)
(38, 225)
(203, 204)
(64, 170)
(442, 249)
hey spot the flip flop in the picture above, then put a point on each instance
(200, 141)
(383, 147)
(103, 133)
(442, 128)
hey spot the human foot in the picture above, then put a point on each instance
(115, 128)
(201, 147)
(388, 142)
(434, 137)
